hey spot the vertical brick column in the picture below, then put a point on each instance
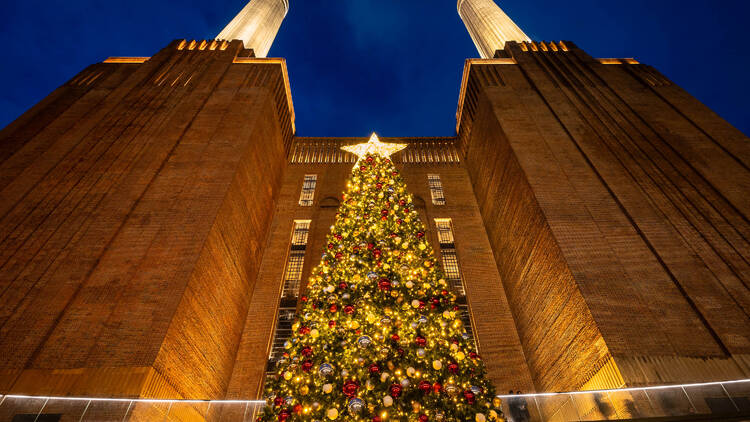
(598, 183)
(135, 212)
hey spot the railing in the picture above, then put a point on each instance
(728, 399)
(718, 399)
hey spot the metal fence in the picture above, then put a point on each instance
(720, 399)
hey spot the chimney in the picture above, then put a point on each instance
(256, 25)
(490, 28)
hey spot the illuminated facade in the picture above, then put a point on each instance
(592, 217)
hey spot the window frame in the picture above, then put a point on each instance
(437, 192)
(307, 193)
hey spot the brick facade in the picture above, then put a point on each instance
(633, 197)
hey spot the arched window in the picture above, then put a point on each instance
(329, 202)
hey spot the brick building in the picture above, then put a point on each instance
(159, 218)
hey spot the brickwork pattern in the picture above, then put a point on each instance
(133, 207)
(646, 207)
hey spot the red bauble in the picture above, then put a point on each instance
(374, 368)
(420, 341)
(453, 368)
(474, 355)
(379, 185)
(304, 330)
(306, 351)
(384, 284)
(400, 352)
(401, 202)
(278, 401)
(363, 168)
(307, 365)
(330, 246)
(395, 390)
(444, 292)
(333, 307)
(437, 387)
(399, 221)
(376, 419)
(420, 235)
(331, 323)
(436, 301)
(370, 246)
(338, 236)
(423, 418)
(350, 388)
(342, 286)
(395, 337)
(369, 159)
(469, 396)
(298, 408)
(377, 252)
(384, 212)
(339, 255)
(425, 386)
(349, 309)
(284, 415)
(303, 298)
(383, 218)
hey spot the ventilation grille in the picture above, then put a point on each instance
(328, 150)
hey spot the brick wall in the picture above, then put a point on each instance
(135, 202)
(609, 173)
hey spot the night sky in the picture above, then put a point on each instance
(391, 66)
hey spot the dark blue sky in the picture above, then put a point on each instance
(393, 66)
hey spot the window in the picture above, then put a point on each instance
(296, 260)
(452, 271)
(283, 334)
(308, 190)
(463, 310)
(436, 189)
(448, 252)
(292, 278)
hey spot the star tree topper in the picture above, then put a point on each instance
(372, 147)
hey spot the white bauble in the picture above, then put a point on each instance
(387, 401)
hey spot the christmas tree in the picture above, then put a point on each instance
(379, 336)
